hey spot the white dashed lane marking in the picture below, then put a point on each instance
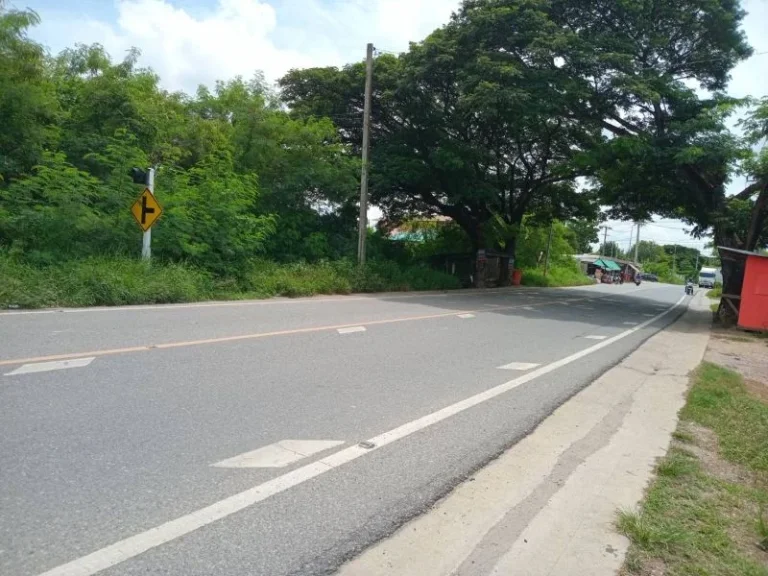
(279, 454)
(49, 366)
(466, 316)
(351, 329)
(518, 366)
(595, 337)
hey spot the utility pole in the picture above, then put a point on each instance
(696, 267)
(146, 241)
(674, 263)
(549, 246)
(637, 242)
(605, 239)
(363, 221)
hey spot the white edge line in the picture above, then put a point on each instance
(138, 544)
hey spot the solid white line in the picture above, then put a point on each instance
(279, 454)
(466, 316)
(522, 366)
(595, 337)
(49, 366)
(351, 329)
(140, 543)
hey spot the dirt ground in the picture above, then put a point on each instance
(743, 352)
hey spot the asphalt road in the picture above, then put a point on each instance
(107, 453)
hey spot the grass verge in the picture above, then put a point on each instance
(121, 281)
(557, 276)
(705, 514)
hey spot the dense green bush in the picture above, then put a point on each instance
(100, 282)
(557, 276)
(119, 280)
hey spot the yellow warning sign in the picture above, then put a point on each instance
(146, 210)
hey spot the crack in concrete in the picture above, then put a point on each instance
(497, 541)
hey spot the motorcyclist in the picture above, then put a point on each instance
(689, 286)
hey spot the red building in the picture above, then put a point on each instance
(752, 304)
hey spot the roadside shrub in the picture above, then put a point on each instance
(100, 282)
(557, 276)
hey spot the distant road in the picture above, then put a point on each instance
(277, 437)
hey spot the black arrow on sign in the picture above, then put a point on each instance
(145, 209)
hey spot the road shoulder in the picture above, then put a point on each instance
(548, 505)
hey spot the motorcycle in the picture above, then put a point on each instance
(689, 289)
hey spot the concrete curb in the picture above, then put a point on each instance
(548, 505)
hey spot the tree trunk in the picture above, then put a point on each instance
(505, 270)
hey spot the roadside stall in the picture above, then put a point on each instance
(751, 305)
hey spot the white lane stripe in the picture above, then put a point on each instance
(595, 337)
(630, 323)
(140, 543)
(518, 366)
(49, 366)
(648, 315)
(279, 454)
(351, 329)
(466, 316)
(530, 308)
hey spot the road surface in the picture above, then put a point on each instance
(277, 437)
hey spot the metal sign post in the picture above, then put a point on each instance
(146, 244)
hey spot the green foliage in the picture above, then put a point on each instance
(100, 282)
(557, 276)
(720, 401)
(693, 521)
(112, 281)
(28, 107)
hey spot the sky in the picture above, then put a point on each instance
(193, 42)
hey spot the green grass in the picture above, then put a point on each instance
(720, 401)
(692, 521)
(715, 293)
(557, 276)
(119, 281)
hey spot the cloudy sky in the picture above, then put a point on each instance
(192, 42)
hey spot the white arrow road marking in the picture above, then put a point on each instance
(48, 366)
(137, 544)
(351, 329)
(279, 454)
(518, 366)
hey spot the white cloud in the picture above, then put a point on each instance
(239, 37)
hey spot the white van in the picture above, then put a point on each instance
(708, 277)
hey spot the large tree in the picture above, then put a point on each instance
(668, 150)
(463, 125)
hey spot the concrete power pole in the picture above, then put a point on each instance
(637, 243)
(146, 241)
(549, 247)
(605, 239)
(363, 221)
